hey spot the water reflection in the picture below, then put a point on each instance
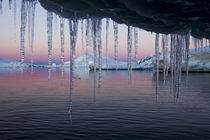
(119, 106)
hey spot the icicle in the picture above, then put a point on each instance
(187, 46)
(136, 44)
(10, 4)
(157, 57)
(107, 37)
(1, 1)
(32, 31)
(29, 6)
(62, 37)
(201, 45)
(164, 50)
(15, 9)
(22, 32)
(115, 26)
(94, 36)
(195, 43)
(129, 41)
(87, 34)
(82, 34)
(73, 27)
(172, 54)
(99, 41)
(206, 42)
(55, 25)
(49, 35)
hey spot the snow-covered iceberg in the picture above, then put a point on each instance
(122, 65)
(198, 61)
(8, 63)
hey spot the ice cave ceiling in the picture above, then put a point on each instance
(161, 16)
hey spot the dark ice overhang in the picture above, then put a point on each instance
(160, 16)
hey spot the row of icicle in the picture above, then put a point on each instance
(91, 29)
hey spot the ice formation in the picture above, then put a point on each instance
(1, 1)
(157, 57)
(31, 23)
(62, 39)
(22, 32)
(165, 55)
(49, 35)
(129, 45)
(88, 41)
(10, 4)
(73, 27)
(115, 26)
(82, 37)
(107, 39)
(136, 43)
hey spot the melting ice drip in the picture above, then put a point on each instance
(136, 43)
(49, 36)
(62, 38)
(115, 26)
(107, 37)
(22, 32)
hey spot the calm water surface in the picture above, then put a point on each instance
(34, 105)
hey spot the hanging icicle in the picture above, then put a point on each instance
(73, 27)
(187, 46)
(157, 55)
(15, 10)
(94, 36)
(82, 37)
(10, 4)
(195, 42)
(172, 54)
(201, 45)
(107, 39)
(136, 44)
(165, 55)
(99, 41)
(49, 35)
(129, 41)
(1, 1)
(22, 32)
(32, 31)
(62, 38)
(87, 37)
(115, 26)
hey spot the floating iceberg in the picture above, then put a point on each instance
(111, 65)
